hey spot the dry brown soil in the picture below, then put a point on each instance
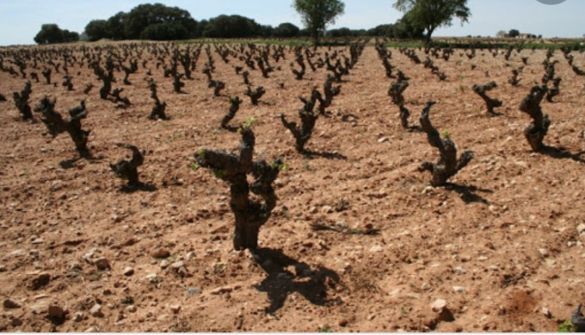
(503, 248)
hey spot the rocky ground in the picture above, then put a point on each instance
(500, 250)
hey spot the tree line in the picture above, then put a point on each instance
(160, 22)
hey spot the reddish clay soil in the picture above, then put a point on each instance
(504, 249)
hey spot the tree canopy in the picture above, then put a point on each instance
(148, 21)
(97, 29)
(142, 16)
(51, 33)
(513, 33)
(286, 30)
(428, 15)
(160, 22)
(317, 14)
(232, 26)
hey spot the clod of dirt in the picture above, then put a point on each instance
(40, 281)
(443, 312)
(175, 308)
(78, 317)
(96, 311)
(103, 264)
(438, 305)
(56, 314)
(153, 278)
(10, 304)
(128, 271)
(161, 254)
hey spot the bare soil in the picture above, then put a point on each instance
(502, 246)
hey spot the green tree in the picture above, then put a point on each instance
(265, 30)
(97, 29)
(346, 32)
(116, 26)
(340, 32)
(317, 14)
(386, 30)
(165, 32)
(51, 33)
(514, 33)
(232, 26)
(432, 14)
(142, 16)
(70, 36)
(168, 23)
(286, 30)
(406, 29)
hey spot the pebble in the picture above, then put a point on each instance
(40, 281)
(56, 314)
(103, 264)
(78, 317)
(96, 311)
(153, 278)
(128, 271)
(131, 309)
(75, 266)
(10, 304)
(191, 291)
(458, 289)
(2, 268)
(459, 270)
(15, 322)
(543, 252)
(90, 330)
(546, 312)
(376, 249)
(177, 265)
(439, 305)
(343, 323)
(581, 229)
(222, 290)
(164, 264)
(427, 190)
(383, 140)
(327, 209)
(175, 308)
(39, 308)
(161, 253)
(89, 255)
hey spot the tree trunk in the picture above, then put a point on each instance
(316, 38)
(428, 35)
(239, 204)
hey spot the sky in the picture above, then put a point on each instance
(20, 20)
